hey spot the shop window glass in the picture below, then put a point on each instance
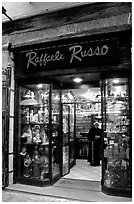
(34, 131)
(72, 137)
(55, 132)
(65, 138)
(117, 134)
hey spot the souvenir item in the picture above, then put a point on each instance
(44, 161)
(27, 163)
(43, 136)
(29, 99)
(23, 151)
(29, 135)
(37, 138)
(24, 135)
(36, 163)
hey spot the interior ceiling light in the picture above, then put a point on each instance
(39, 86)
(116, 81)
(77, 79)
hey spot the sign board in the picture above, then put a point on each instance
(83, 54)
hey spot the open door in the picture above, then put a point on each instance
(72, 125)
(65, 138)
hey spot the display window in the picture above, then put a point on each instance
(38, 132)
(116, 125)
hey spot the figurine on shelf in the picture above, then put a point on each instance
(40, 96)
(32, 95)
(40, 115)
(109, 88)
(24, 114)
(29, 99)
(36, 137)
(27, 166)
(23, 151)
(31, 116)
(29, 135)
(36, 163)
(27, 94)
(44, 162)
(43, 136)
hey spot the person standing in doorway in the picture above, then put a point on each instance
(94, 137)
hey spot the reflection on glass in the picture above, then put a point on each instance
(65, 151)
(65, 138)
(71, 122)
(55, 132)
(117, 135)
(71, 135)
(55, 161)
(72, 155)
(65, 124)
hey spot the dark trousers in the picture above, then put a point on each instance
(94, 153)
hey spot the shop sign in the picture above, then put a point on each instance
(70, 56)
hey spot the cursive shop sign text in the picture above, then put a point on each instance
(72, 55)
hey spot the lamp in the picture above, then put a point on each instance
(77, 79)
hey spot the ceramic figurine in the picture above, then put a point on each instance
(36, 138)
(27, 165)
(36, 163)
(29, 135)
(23, 151)
(43, 136)
(44, 162)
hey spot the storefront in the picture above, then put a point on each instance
(46, 134)
(44, 129)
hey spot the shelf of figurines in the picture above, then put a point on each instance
(33, 105)
(119, 98)
(39, 123)
(37, 135)
(39, 143)
(122, 112)
(114, 133)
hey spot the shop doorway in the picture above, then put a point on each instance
(84, 104)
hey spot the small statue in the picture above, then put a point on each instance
(36, 138)
(36, 163)
(43, 136)
(44, 162)
(29, 135)
(27, 165)
(23, 151)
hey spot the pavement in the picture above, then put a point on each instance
(57, 193)
(15, 196)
